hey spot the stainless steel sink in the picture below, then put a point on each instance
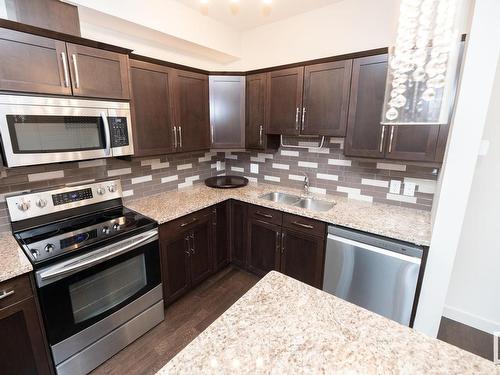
(295, 200)
(281, 197)
(314, 204)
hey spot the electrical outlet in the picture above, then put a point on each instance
(254, 168)
(395, 187)
(409, 189)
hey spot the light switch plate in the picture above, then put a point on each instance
(409, 189)
(395, 187)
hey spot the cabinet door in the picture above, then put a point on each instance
(201, 251)
(97, 73)
(263, 247)
(32, 63)
(302, 257)
(365, 136)
(22, 344)
(285, 101)
(239, 233)
(227, 111)
(412, 142)
(255, 127)
(175, 265)
(326, 98)
(191, 110)
(151, 91)
(221, 235)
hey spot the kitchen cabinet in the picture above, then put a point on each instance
(45, 66)
(23, 348)
(227, 111)
(97, 73)
(152, 110)
(256, 134)
(191, 112)
(367, 138)
(220, 224)
(238, 233)
(186, 246)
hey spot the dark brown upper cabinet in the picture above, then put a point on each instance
(412, 142)
(285, 101)
(326, 98)
(97, 73)
(152, 110)
(191, 111)
(31, 63)
(45, 66)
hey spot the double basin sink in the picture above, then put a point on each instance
(297, 201)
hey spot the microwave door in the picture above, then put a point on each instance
(34, 134)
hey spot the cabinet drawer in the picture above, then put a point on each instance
(185, 223)
(310, 226)
(15, 290)
(265, 214)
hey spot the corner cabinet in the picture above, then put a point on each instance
(23, 347)
(42, 65)
(367, 138)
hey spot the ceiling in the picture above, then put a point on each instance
(251, 13)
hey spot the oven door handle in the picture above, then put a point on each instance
(99, 257)
(107, 136)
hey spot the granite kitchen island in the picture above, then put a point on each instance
(282, 326)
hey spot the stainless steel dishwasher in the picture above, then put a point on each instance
(372, 272)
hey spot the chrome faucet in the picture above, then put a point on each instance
(306, 183)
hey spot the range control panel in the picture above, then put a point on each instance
(119, 131)
(29, 205)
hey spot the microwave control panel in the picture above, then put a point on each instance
(119, 131)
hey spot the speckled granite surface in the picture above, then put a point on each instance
(282, 326)
(400, 223)
(13, 261)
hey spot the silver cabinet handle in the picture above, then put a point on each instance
(175, 137)
(261, 130)
(390, 139)
(282, 242)
(188, 251)
(212, 131)
(65, 68)
(180, 136)
(263, 214)
(303, 116)
(278, 242)
(5, 294)
(297, 114)
(189, 222)
(302, 225)
(193, 250)
(106, 134)
(381, 146)
(77, 76)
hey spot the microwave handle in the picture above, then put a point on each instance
(106, 134)
(96, 259)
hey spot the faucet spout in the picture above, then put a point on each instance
(306, 183)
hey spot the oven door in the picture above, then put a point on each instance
(78, 293)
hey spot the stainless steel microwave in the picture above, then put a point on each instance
(42, 130)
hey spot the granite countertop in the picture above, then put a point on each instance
(283, 326)
(13, 261)
(405, 224)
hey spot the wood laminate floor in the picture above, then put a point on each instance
(184, 320)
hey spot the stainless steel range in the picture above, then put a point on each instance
(97, 269)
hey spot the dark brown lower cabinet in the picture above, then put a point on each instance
(238, 233)
(220, 224)
(264, 247)
(186, 253)
(23, 347)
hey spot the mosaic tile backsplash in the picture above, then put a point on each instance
(328, 170)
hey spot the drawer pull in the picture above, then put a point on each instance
(189, 222)
(5, 294)
(302, 225)
(263, 214)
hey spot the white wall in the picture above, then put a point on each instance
(470, 117)
(473, 292)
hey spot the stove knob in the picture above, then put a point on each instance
(49, 248)
(23, 206)
(41, 202)
(101, 191)
(105, 230)
(116, 226)
(35, 253)
(112, 188)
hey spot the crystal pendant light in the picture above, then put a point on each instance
(423, 64)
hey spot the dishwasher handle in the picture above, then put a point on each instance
(374, 249)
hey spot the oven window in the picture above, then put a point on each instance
(41, 134)
(103, 291)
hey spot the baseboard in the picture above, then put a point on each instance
(471, 320)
